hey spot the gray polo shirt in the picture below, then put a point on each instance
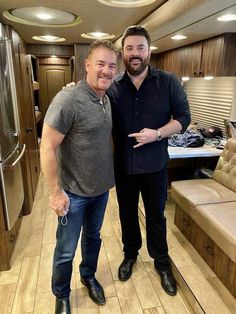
(85, 154)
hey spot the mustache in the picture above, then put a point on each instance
(108, 76)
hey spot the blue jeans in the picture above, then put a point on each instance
(86, 212)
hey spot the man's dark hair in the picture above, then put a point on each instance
(101, 43)
(136, 30)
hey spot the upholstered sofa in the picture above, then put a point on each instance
(206, 215)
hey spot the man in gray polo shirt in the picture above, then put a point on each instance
(76, 142)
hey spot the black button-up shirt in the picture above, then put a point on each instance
(159, 99)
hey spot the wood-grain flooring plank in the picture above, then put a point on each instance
(26, 286)
(7, 294)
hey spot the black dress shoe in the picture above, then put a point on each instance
(125, 269)
(96, 291)
(168, 282)
(62, 306)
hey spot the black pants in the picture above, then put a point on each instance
(153, 188)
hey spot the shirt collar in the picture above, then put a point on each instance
(92, 93)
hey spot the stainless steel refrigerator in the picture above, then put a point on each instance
(11, 151)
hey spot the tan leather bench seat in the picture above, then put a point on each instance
(190, 193)
(219, 222)
(206, 214)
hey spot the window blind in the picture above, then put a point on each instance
(210, 101)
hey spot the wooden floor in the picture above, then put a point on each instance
(26, 287)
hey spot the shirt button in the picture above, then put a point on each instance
(137, 99)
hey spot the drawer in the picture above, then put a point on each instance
(185, 224)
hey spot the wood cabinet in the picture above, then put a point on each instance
(214, 56)
(52, 78)
(211, 58)
(164, 61)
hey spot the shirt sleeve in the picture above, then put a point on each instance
(179, 103)
(60, 112)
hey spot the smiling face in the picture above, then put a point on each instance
(101, 69)
(136, 54)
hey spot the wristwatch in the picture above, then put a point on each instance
(159, 136)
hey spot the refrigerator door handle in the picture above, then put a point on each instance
(17, 160)
(12, 133)
(13, 84)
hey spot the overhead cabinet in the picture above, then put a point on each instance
(213, 57)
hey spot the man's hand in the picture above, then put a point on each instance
(69, 85)
(59, 202)
(144, 136)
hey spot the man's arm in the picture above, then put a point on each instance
(51, 139)
(146, 135)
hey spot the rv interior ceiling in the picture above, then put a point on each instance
(194, 18)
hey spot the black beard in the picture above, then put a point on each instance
(140, 69)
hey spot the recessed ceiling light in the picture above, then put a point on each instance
(40, 16)
(49, 38)
(97, 35)
(153, 47)
(227, 18)
(43, 16)
(178, 37)
(126, 3)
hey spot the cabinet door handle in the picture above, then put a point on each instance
(185, 222)
(29, 130)
(210, 250)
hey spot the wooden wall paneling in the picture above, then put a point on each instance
(53, 61)
(81, 51)
(72, 68)
(48, 50)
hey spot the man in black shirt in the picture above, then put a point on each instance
(148, 105)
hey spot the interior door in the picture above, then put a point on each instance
(51, 78)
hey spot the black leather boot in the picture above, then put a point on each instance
(168, 281)
(125, 269)
(62, 306)
(95, 290)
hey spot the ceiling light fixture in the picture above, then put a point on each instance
(49, 38)
(40, 16)
(126, 3)
(43, 16)
(153, 47)
(227, 18)
(97, 35)
(178, 37)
